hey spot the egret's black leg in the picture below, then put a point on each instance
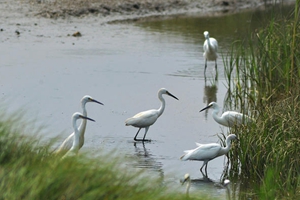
(206, 169)
(143, 140)
(205, 66)
(202, 167)
(146, 130)
(137, 134)
(216, 66)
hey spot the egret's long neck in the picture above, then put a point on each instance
(75, 146)
(215, 115)
(82, 125)
(84, 113)
(208, 43)
(162, 106)
(225, 150)
(188, 188)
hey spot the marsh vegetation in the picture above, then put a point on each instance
(263, 81)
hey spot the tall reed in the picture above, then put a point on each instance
(263, 79)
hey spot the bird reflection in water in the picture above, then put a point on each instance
(204, 184)
(145, 160)
(210, 91)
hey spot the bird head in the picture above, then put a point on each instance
(210, 105)
(187, 178)
(206, 34)
(78, 115)
(226, 182)
(232, 137)
(88, 98)
(165, 91)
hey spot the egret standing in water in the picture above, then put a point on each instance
(76, 138)
(228, 118)
(66, 145)
(147, 118)
(207, 152)
(210, 48)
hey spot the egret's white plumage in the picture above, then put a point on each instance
(76, 139)
(207, 152)
(210, 48)
(226, 182)
(222, 185)
(187, 179)
(146, 118)
(67, 143)
(228, 118)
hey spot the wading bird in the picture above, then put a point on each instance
(187, 179)
(147, 118)
(76, 139)
(66, 145)
(207, 152)
(228, 118)
(222, 185)
(210, 48)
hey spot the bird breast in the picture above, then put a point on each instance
(210, 49)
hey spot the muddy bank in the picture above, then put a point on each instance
(110, 10)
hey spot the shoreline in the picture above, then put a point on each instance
(122, 10)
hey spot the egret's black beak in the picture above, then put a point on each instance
(183, 181)
(83, 117)
(168, 93)
(186, 178)
(207, 107)
(93, 100)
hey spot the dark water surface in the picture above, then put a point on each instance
(45, 73)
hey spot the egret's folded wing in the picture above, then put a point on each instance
(203, 152)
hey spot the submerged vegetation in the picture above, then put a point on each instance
(264, 81)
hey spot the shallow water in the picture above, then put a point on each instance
(45, 73)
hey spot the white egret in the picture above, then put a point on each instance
(228, 118)
(210, 48)
(207, 152)
(222, 185)
(226, 182)
(66, 145)
(76, 139)
(187, 179)
(147, 118)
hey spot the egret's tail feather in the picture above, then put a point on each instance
(186, 155)
(198, 144)
(129, 121)
(181, 157)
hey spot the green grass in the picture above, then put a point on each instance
(29, 171)
(263, 79)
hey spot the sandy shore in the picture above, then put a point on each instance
(105, 8)
(109, 10)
